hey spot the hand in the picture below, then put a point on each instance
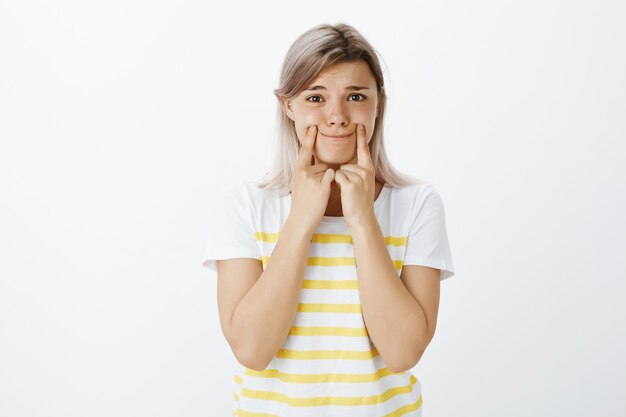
(310, 185)
(357, 183)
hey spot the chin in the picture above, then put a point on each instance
(335, 155)
(334, 162)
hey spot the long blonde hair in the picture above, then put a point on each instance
(312, 52)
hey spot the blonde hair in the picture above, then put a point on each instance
(312, 52)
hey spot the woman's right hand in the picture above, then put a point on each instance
(310, 185)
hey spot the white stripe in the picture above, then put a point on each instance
(326, 296)
(330, 272)
(360, 343)
(297, 366)
(329, 319)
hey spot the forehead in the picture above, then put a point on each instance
(346, 73)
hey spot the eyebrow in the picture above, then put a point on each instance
(350, 87)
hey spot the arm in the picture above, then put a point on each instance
(256, 324)
(400, 314)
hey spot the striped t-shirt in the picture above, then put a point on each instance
(328, 365)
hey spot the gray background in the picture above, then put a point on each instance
(120, 120)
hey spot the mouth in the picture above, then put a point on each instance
(337, 139)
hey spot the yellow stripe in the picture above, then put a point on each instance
(321, 378)
(327, 354)
(406, 409)
(330, 238)
(396, 240)
(266, 237)
(334, 400)
(330, 261)
(238, 379)
(242, 413)
(329, 284)
(328, 331)
(329, 308)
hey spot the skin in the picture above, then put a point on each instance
(336, 110)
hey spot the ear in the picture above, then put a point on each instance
(286, 106)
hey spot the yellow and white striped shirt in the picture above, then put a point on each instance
(328, 366)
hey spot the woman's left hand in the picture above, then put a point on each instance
(357, 183)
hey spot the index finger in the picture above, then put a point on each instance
(363, 152)
(306, 150)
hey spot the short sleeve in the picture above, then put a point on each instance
(230, 232)
(427, 243)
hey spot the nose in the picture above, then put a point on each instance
(337, 115)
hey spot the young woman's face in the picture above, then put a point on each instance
(342, 97)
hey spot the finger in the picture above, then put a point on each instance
(364, 159)
(317, 168)
(329, 176)
(352, 177)
(306, 150)
(341, 178)
(360, 171)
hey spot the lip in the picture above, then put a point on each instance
(343, 138)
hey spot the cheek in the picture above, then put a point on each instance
(371, 114)
(306, 120)
(310, 118)
(367, 119)
(365, 115)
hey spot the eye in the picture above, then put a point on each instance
(357, 94)
(362, 97)
(307, 99)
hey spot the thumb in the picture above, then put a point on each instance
(329, 176)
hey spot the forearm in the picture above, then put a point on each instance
(395, 321)
(266, 313)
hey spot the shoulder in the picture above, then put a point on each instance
(413, 194)
(417, 201)
(245, 192)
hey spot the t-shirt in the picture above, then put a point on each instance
(328, 365)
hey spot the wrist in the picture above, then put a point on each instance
(298, 227)
(365, 224)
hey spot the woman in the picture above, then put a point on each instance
(329, 267)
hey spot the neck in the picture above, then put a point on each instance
(334, 201)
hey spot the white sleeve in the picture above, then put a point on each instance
(230, 232)
(427, 243)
